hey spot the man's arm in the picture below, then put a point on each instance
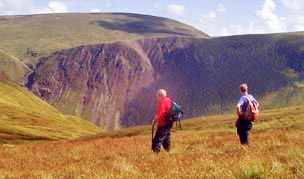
(154, 121)
(239, 106)
(239, 110)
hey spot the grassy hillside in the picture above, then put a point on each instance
(13, 67)
(292, 95)
(23, 116)
(33, 36)
(205, 148)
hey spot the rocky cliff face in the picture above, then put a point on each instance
(113, 85)
(93, 81)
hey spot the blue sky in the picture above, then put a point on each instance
(214, 17)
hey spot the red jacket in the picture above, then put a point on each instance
(164, 106)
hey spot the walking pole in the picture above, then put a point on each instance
(180, 125)
(152, 136)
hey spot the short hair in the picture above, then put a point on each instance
(244, 87)
(161, 93)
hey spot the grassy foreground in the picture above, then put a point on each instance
(205, 148)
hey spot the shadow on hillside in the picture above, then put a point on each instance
(142, 25)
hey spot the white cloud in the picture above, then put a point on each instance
(157, 5)
(14, 7)
(210, 22)
(15, 4)
(295, 16)
(294, 4)
(215, 13)
(95, 10)
(233, 29)
(52, 7)
(237, 29)
(268, 22)
(57, 7)
(176, 10)
(273, 22)
(9, 7)
(299, 27)
(211, 16)
(108, 5)
(267, 11)
(221, 8)
(295, 21)
(1, 5)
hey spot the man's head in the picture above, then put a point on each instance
(161, 93)
(243, 88)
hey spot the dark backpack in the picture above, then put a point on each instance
(174, 114)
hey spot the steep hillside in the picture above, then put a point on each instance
(114, 84)
(205, 148)
(23, 116)
(14, 68)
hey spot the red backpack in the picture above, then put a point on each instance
(252, 110)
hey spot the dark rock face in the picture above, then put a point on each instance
(114, 85)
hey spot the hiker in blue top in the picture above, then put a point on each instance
(244, 123)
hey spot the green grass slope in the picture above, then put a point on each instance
(23, 116)
(13, 67)
(33, 36)
(207, 147)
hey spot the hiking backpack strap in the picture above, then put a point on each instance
(252, 111)
(256, 110)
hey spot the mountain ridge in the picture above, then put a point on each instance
(112, 83)
(45, 33)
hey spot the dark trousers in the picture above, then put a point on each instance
(162, 138)
(243, 129)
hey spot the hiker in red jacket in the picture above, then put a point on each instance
(162, 136)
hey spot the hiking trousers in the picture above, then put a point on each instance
(162, 138)
(243, 130)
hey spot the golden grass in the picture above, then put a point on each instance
(205, 148)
